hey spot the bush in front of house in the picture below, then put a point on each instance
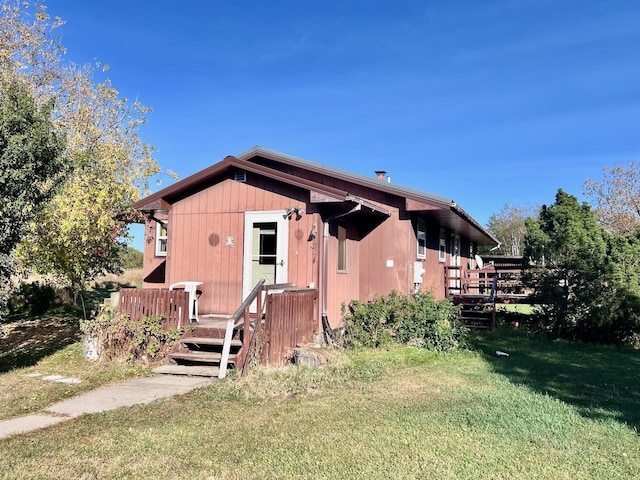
(416, 319)
(117, 336)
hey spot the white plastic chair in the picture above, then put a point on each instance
(192, 289)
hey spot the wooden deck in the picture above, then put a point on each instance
(478, 290)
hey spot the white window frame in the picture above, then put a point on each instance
(160, 226)
(442, 250)
(421, 235)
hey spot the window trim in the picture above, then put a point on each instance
(442, 249)
(159, 252)
(421, 232)
(343, 253)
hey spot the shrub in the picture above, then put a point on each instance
(117, 336)
(408, 319)
(35, 298)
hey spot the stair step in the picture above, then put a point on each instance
(219, 325)
(210, 357)
(189, 370)
(209, 341)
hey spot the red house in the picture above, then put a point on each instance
(267, 215)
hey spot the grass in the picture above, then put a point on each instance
(50, 344)
(395, 413)
(600, 382)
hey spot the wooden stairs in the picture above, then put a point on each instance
(286, 316)
(209, 346)
(200, 350)
(477, 312)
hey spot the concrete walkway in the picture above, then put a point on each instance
(132, 392)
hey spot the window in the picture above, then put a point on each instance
(342, 247)
(442, 254)
(267, 232)
(161, 239)
(421, 236)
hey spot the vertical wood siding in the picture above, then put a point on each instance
(206, 239)
(200, 224)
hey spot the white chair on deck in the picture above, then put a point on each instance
(192, 289)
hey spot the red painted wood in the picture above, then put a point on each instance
(171, 305)
(290, 321)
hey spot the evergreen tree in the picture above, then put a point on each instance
(570, 250)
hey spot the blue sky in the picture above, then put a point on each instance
(484, 102)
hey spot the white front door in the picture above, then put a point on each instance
(266, 237)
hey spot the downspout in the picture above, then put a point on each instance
(326, 327)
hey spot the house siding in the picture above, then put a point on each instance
(206, 238)
(342, 287)
(206, 234)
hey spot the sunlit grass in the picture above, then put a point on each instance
(397, 413)
(49, 344)
(22, 394)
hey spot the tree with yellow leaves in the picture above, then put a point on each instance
(79, 233)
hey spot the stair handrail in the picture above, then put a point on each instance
(243, 309)
(254, 334)
(256, 330)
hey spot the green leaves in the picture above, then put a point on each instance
(31, 168)
(79, 233)
(585, 279)
(395, 318)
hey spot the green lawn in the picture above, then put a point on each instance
(549, 410)
(48, 345)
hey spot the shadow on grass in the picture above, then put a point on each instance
(23, 341)
(602, 382)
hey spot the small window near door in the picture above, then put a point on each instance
(421, 236)
(442, 254)
(342, 247)
(161, 239)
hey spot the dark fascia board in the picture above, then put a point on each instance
(149, 204)
(192, 182)
(242, 161)
(459, 211)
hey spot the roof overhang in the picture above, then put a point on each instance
(337, 201)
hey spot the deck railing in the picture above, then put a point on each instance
(285, 317)
(171, 305)
(481, 281)
(290, 319)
